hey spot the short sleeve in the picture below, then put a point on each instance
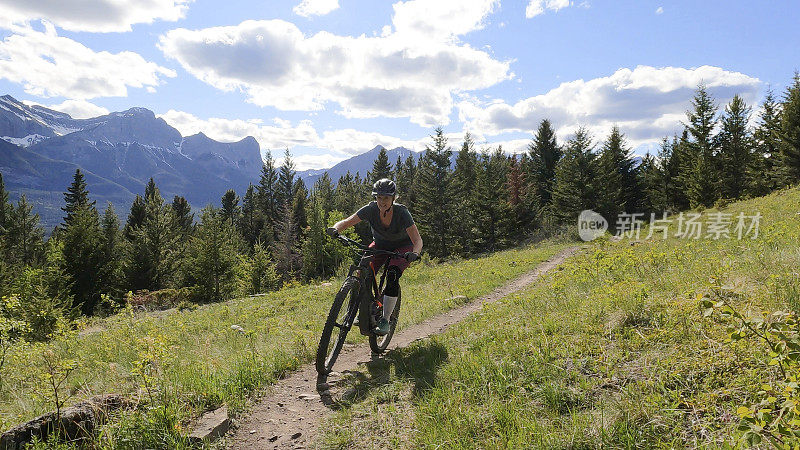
(365, 213)
(406, 219)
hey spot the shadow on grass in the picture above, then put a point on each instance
(417, 363)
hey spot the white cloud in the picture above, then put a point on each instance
(79, 109)
(411, 72)
(441, 19)
(92, 15)
(305, 162)
(230, 130)
(660, 10)
(48, 65)
(536, 7)
(338, 144)
(309, 8)
(646, 102)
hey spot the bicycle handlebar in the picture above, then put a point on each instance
(374, 251)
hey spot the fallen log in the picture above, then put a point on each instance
(76, 422)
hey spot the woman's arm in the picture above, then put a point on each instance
(347, 223)
(416, 239)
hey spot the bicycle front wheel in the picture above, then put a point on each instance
(377, 343)
(340, 319)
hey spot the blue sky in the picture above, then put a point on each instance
(329, 79)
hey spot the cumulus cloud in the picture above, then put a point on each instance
(412, 71)
(441, 19)
(646, 102)
(281, 135)
(338, 144)
(536, 7)
(79, 109)
(48, 65)
(309, 8)
(92, 15)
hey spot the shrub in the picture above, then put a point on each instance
(162, 299)
(775, 416)
(35, 313)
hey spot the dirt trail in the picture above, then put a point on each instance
(288, 416)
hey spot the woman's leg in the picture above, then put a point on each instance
(390, 294)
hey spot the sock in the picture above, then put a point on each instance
(388, 306)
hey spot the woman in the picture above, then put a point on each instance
(393, 229)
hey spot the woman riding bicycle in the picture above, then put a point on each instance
(393, 229)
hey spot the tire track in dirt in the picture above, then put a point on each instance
(288, 416)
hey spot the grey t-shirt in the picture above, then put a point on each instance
(395, 235)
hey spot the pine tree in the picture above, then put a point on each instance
(520, 218)
(404, 179)
(543, 156)
(380, 167)
(324, 191)
(213, 255)
(151, 190)
(462, 187)
(299, 199)
(790, 132)
(136, 216)
(230, 207)
(761, 173)
(490, 202)
(262, 275)
(346, 195)
(575, 187)
(83, 259)
(112, 250)
(156, 249)
(6, 211)
(184, 217)
(655, 180)
(5, 208)
(616, 177)
(25, 238)
(267, 195)
(76, 197)
(285, 191)
(251, 222)
(702, 171)
(285, 248)
(678, 170)
(734, 143)
(322, 256)
(433, 207)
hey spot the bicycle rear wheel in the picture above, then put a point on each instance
(377, 343)
(338, 318)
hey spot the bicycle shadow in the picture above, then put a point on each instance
(417, 363)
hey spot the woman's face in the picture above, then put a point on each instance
(384, 201)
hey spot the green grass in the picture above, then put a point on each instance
(610, 352)
(189, 361)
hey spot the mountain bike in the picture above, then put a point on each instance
(360, 296)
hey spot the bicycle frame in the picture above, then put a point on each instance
(361, 272)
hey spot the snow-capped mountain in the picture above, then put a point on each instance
(120, 151)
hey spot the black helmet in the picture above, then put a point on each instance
(384, 186)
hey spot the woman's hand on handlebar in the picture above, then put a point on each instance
(332, 232)
(411, 256)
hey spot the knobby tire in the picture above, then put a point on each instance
(344, 319)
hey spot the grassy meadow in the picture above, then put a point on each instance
(613, 351)
(176, 364)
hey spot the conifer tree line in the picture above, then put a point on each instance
(273, 232)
